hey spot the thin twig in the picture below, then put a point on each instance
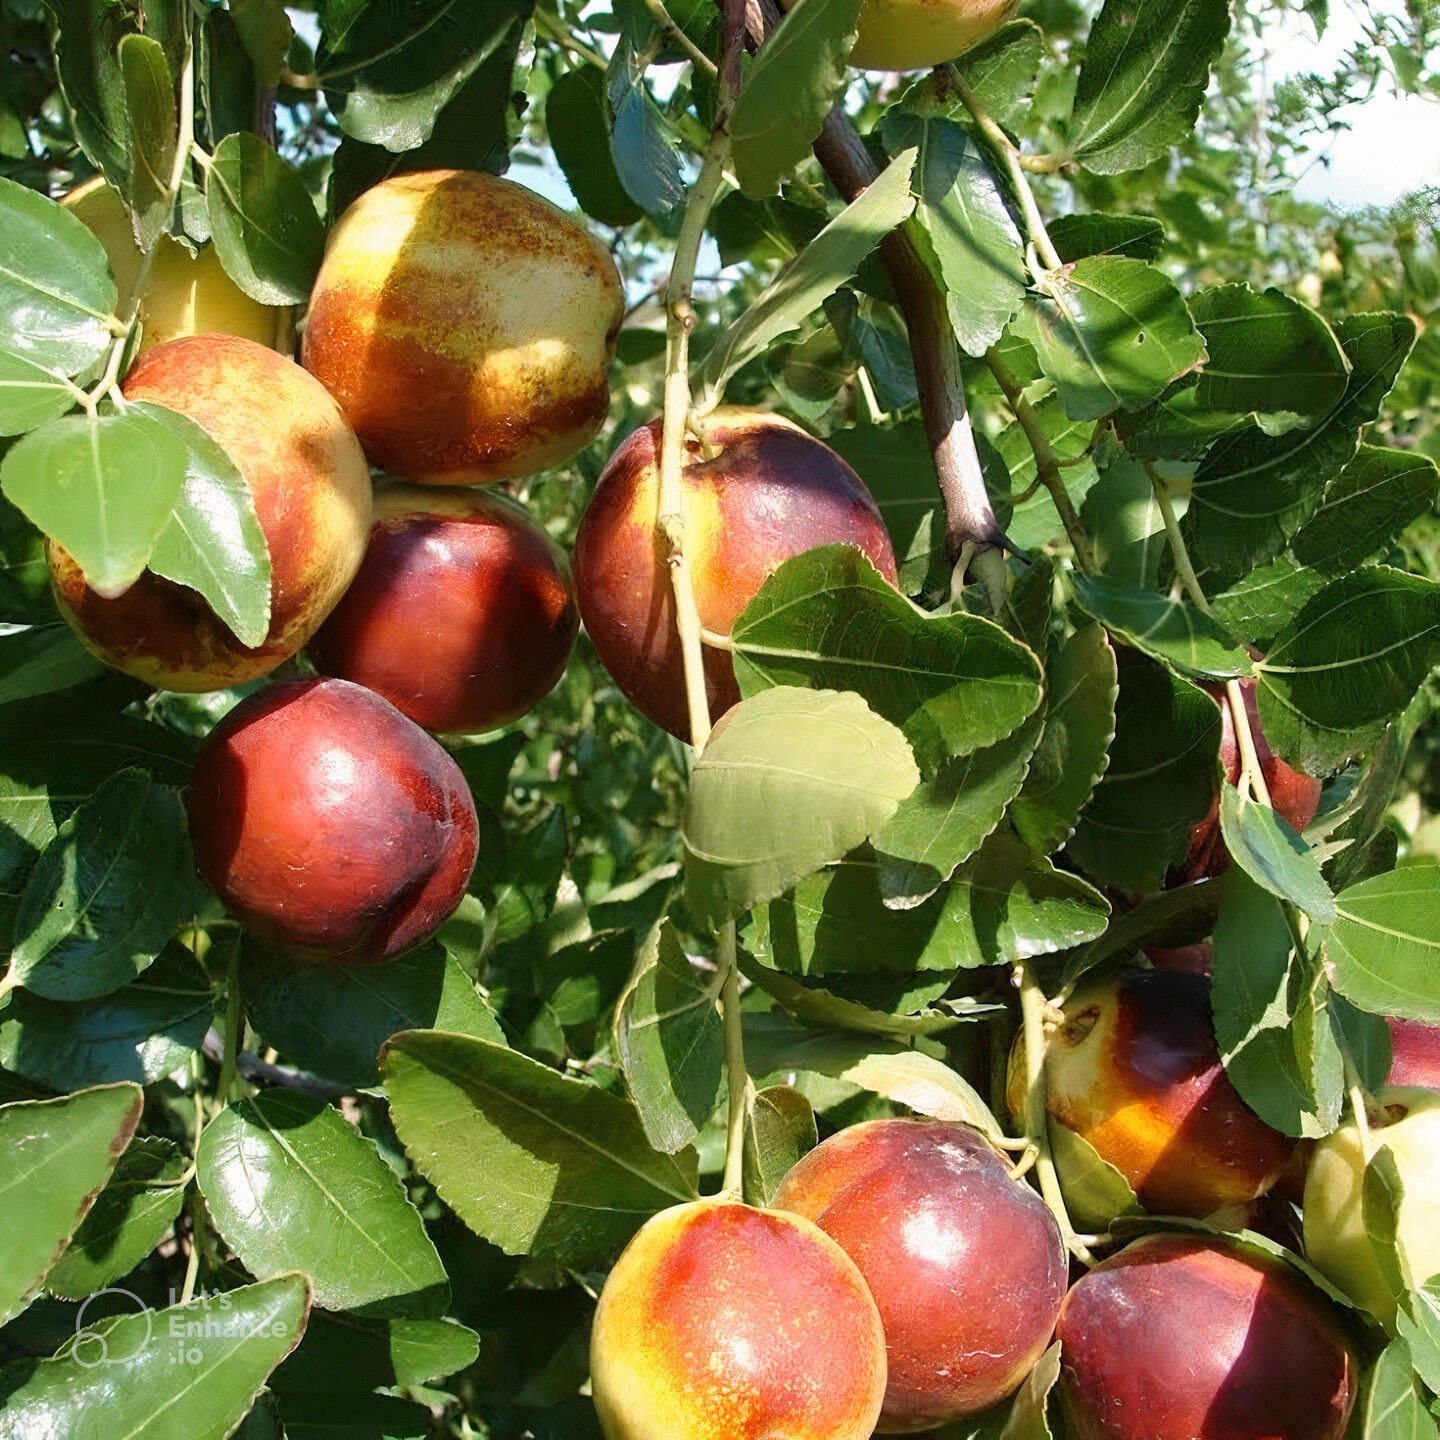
(262, 1072)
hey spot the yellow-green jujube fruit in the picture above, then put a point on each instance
(916, 34)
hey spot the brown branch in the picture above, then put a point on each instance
(262, 1072)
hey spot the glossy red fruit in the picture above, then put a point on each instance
(1135, 1070)
(463, 613)
(1179, 1338)
(723, 1322)
(966, 1264)
(329, 824)
(1296, 797)
(1414, 1054)
(769, 492)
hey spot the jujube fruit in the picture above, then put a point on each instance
(1414, 1054)
(765, 493)
(463, 613)
(723, 1322)
(466, 327)
(1180, 1338)
(1407, 1123)
(330, 825)
(965, 1263)
(311, 488)
(1135, 1070)
(918, 34)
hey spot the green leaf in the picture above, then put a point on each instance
(55, 1158)
(1027, 1419)
(213, 542)
(1383, 948)
(669, 1041)
(137, 1206)
(101, 486)
(1137, 237)
(577, 120)
(640, 147)
(344, 1353)
(1394, 1406)
(1262, 603)
(193, 1370)
(1173, 632)
(263, 222)
(1365, 508)
(152, 136)
(107, 894)
(946, 817)
(1169, 918)
(1253, 491)
(536, 1164)
(1159, 784)
(791, 780)
(291, 1186)
(1001, 71)
(1033, 523)
(780, 1131)
(30, 394)
(88, 34)
(1096, 1193)
(43, 660)
(1264, 999)
(796, 78)
(1111, 334)
(333, 1019)
(1080, 691)
(389, 71)
(1268, 354)
(817, 272)
(142, 1032)
(57, 296)
(952, 683)
(1348, 663)
(1273, 855)
(1146, 67)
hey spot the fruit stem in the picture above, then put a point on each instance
(679, 38)
(736, 1075)
(1014, 165)
(1183, 566)
(1033, 1009)
(234, 1027)
(8, 982)
(1250, 770)
(1047, 472)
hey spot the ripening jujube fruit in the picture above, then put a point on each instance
(312, 493)
(1414, 1054)
(765, 493)
(184, 294)
(1407, 1122)
(1135, 1070)
(466, 327)
(917, 34)
(724, 1322)
(965, 1263)
(332, 827)
(1295, 797)
(463, 613)
(1182, 1338)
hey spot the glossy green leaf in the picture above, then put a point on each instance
(1122, 516)
(88, 35)
(825, 264)
(1383, 949)
(1028, 1418)
(1265, 1001)
(343, 1352)
(1143, 78)
(1167, 919)
(1273, 855)
(388, 72)
(577, 120)
(1268, 353)
(640, 146)
(107, 894)
(291, 1185)
(43, 660)
(55, 1158)
(779, 1132)
(1096, 1193)
(1137, 237)
(333, 1019)
(1348, 663)
(533, 1162)
(1261, 604)
(796, 78)
(1111, 333)
(952, 683)
(1253, 491)
(1081, 686)
(30, 393)
(213, 542)
(1001, 70)
(102, 486)
(57, 296)
(151, 136)
(137, 1206)
(193, 1370)
(263, 222)
(792, 780)
(1394, 1406)
(1173, 632)
(1159, 783)
(1033, 522)
(669, 1041)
